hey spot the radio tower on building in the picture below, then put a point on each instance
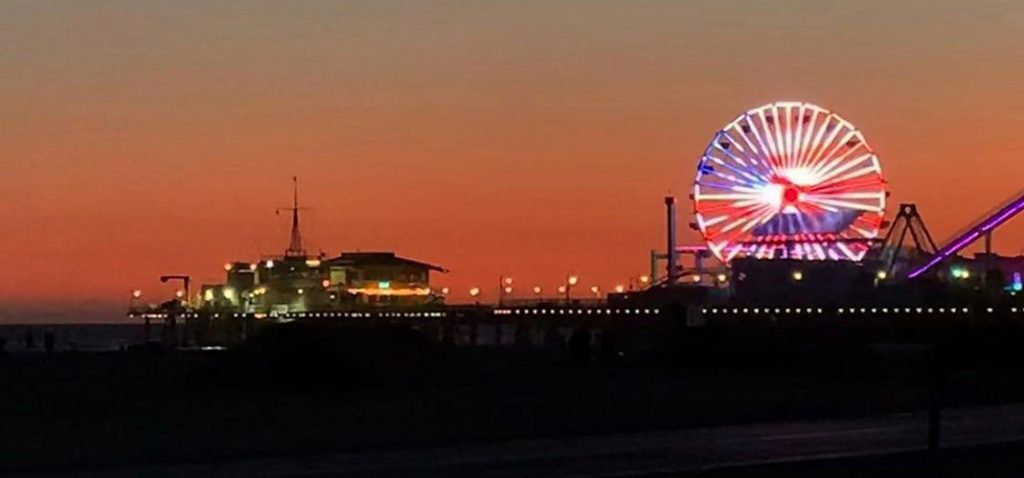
(295, 246)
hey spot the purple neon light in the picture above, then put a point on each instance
(964, 240)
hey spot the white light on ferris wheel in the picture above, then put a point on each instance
(789, 179)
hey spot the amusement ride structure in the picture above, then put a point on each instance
(793, 180)
(789, 180)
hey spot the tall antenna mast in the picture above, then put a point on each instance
(295, 246)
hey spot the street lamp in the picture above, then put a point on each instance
(133, 302)
(595, 290)
(570, 281)
(185, 280)
(620, 289)
(504, 288)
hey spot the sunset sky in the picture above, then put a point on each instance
(530, 138)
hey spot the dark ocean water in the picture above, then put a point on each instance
(86, 337)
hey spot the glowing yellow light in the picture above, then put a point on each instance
(227, 266)
(882, 275)
(620, 288)
(208, 295)
(444, 291)
(270, 264)
(300, 291)
(393, 292)
(595, 289)
(561, 289)
(573, 280)
(508, 290)
(537, 290)
(475, 291)
(252, 267)
(722, 277)
(645, 279)
(384, 284)
(508, 281)
(179, 293)
(136, 293)
(798, 275)
(326, 283)
(229, 293)
(312, 262)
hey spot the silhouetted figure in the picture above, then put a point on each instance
(30, 339)
(48, 342)
(579, 347)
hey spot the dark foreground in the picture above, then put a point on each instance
(300, 402)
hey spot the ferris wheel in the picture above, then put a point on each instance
(789, 180)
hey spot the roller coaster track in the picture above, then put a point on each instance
(976, 230)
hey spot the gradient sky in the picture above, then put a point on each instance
(523, 137)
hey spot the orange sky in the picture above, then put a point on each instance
(530, 138)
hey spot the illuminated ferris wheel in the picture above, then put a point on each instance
(789, 180)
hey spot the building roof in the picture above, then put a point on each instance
(364, 259)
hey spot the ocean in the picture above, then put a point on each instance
(83, 337)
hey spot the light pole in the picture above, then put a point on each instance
(504, 287)
(172, 318)
(570, 281)
(537, 292)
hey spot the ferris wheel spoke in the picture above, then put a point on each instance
(718, 146)
(872, 182)
(853, 195)
(853, 174)
(816, 157)
(821, 128)
(761, 154)
(788, 135)
(766, 140)
(798, 136)
(846, 204)
(826, 164)
(815, 132)
(776, 130)
(734, 169)
(760, 165)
